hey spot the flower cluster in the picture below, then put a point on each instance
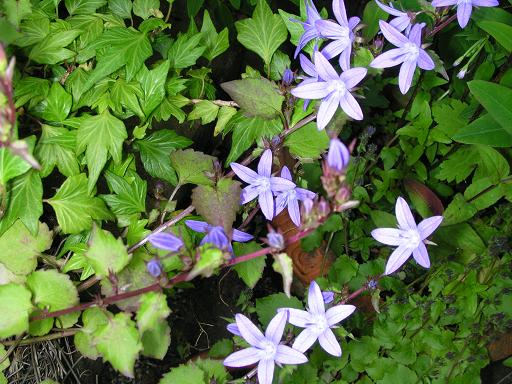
(267, 349)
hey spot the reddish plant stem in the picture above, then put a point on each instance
(442, 25)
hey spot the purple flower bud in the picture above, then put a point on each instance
(165, 241)
(275, 240)
(233, 328)
(372, 284)
(308, 206)
(328, 296)
(288, 76)
(154, 267)
(338, 155)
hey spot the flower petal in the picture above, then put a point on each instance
(313, 90)
(401, 23)
(353, 21)
(429, 225)
(420, 254)
(241, 237)
(327, 109)
(353, 76)
(425, 61)
(287, 355)
(404, 215)
(315, 299)
(338, 155)
(392, 35)
(298, 317)
(244, 173)
(308, 35)
(443, 3)
(249, 331)
(303, 194)
(278, 184)
(280, 203)
(275, 328)
(217, 237)
(349, 104)
(415, 33)
(285, 173)
(405, 76)
(166, 241)
(265, 164)
(331, 30)
(389, 59)
(233, 328)
(486, 3)
(345, 58)
(293, 211)
(307, 66)
(243, 358)
(198, 226)
(334, 48)
(464, 13)
(265, 371)
(337, 313)
(249, 193)
(388, 236)
(305, 340)
(397, 259)
(388, 9)
(266, 202)
(338, 8)
(324, 69)
(329, 343)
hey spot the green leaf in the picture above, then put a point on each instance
(119, 343)
(83, 7)
(267, 307)
(399, 374)
(249, 271)
(500, 31)
(263, 33)
(185, 51)
(218, 204)
(20, 248)
(92, 318)
(105, 253)
(54, 291)
(155, 342)
(31, 89)
(15, 306)
(215, 43)
(121, 8)
(99, 136)
(153, 86)
(147, 8)
(24, 202)
(484, 130)
(193, 167)
(210, 259)
(225, 114)
(256, 97)
(153, 311)
(58, 104)
(120, 47)
(155, 153)
(75, 207)
(307, 142)
(16, 10)
(496, 99)
(280, 62)
(184, 374)
(126, 94)
(56, 147)
(130, 197)
(193, 6)
(11, 166)
(51, 49)
(204, 110)
(371, 16)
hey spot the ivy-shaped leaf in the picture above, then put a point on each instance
(215, 43)
(153, 86)
(126, 94)
(121, 8)
(185, 51)
(56, 147)
(147, 8)
(51, 49)
(193, 167)
(75, 207)
(83, 7)
(130, 197)
(204, 110)
(11, 166)
(58, 104)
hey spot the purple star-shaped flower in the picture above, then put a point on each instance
(309, 69)
(166, 241)
(464, 7)
(265, 349)
(333, 89)
(409, 53)
(216, 235)
(338, 155)
(261, 184)
(291, 198)
(402, 21)
(310, 26)
(409, 237)
(318, 322)
(341, 32)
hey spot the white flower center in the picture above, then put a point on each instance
(290, 194)
(412, 51)
(320, 323)
(337, 86)
(412, 236)
(262, 184)
(269, 350)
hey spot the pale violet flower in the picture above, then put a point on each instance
(261, 184)
(333, 89)
(318, 322)
(409, 237)
(402, 20)
(310, 26)
(265, 350)
(165, 241)
(409, 53)
(338, 155)
(291, 197)
(464, 7)
(342, 33)
(216, 235)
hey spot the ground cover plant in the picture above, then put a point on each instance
(332, 179)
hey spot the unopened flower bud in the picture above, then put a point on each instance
(288, 76)
(338, 155)
(328, 296)
(275, 240)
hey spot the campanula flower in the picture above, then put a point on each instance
(261, 184)
(338, 155)
(265, 349)
(464, 7)
(342, 33)
(166, 241)
(333, 89)
(310, 26)
(309, 69)
(409, 53)
(154, 267)
(288, 76)
(402, 21)
(409, 237)
(328, 296)
(318, 322)
(216, 235)
(291, 197)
